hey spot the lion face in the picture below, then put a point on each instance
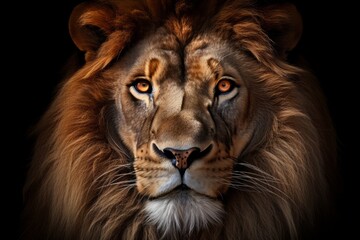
(186, 112)
(185, 115)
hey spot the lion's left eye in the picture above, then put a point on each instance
(142, 85)
(224, 85)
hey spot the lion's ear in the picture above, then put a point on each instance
(283, 24)
(89, 26)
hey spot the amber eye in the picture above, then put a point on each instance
(142, 85)
(224, 86)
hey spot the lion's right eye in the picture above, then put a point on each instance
(142, 85)
(224, 86)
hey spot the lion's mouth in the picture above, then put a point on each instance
(181, 192)
(182, 187)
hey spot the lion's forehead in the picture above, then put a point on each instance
(176, 63)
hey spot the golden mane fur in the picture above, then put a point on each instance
(80, 184)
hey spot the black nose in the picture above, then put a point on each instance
(182, 159)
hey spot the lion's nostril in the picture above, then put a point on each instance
(169, 154)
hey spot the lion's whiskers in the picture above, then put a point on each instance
(113, 175)
(254, 179)
(261, 185)
(255, 168)
(256, 175)
(115, 167)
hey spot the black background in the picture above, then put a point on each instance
(36, 46)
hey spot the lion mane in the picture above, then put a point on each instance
(83, 182)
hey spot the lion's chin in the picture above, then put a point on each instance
(183, 210)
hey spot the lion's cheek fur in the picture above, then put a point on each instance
(212, 183)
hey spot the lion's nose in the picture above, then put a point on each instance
(181, 158)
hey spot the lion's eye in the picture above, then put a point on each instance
(142, 85)
(225, 85)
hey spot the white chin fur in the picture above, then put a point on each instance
(184, 212)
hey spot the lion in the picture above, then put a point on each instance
(187, 120)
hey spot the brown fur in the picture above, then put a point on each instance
(81, 184)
